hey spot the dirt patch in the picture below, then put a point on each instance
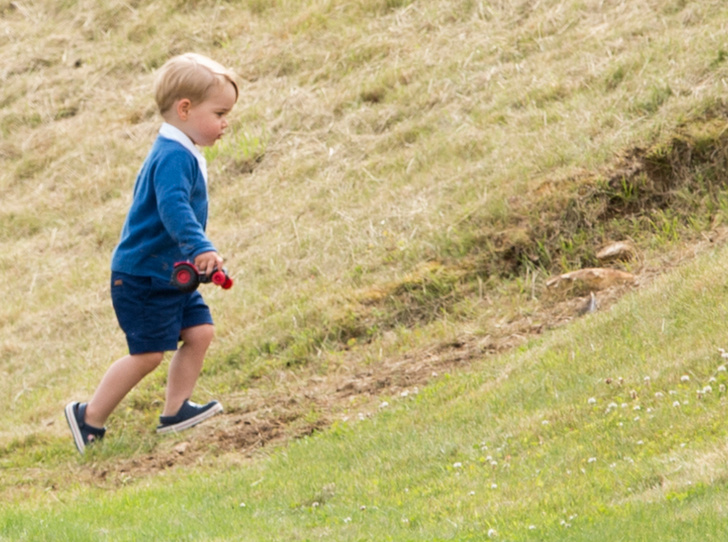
(267, 419)
(671, 187)
(667, 183)
(258, 420)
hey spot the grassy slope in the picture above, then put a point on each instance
(527, 444)
(372, 137)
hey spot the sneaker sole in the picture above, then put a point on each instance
(73, 424)
(181, 426)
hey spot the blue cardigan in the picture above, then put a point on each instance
(168, 215)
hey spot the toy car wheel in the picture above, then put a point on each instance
(218, 277)
(185, 278)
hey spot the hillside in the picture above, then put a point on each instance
(400, 181)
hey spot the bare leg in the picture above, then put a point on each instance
(120, 379)
(186, 364)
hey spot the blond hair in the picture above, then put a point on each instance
(190, 76)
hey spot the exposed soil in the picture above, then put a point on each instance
(264, 419)
(259, 420)
(294, 403)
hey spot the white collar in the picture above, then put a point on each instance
(175, 134)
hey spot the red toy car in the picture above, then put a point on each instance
(187, 278)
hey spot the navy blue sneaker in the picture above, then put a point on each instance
(188, 415)
(83, 434)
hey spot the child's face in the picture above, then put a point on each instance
(206, 121)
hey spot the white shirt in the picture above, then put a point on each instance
(175, 134)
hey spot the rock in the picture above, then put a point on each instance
(621, 250)
(591, 278)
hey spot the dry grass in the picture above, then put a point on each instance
(375, 137)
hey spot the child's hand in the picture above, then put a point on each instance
(207, 262)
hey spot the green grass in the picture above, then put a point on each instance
(535, 444)
(399, 181)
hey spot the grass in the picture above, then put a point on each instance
(400, 180)
(535, 445)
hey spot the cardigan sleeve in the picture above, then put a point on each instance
(182, 202)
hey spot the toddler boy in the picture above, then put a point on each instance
(166, 224)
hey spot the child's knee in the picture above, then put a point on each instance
(150, 360)
(199, 335)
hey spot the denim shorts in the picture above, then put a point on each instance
(152, 312)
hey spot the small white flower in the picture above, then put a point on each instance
(612, 405)
(707, 389)
(659, 394)
(592, 401)
(347, 520)
(494, 486)
(647, 380)
(640, 442)
(545, 422)
(471, 493)
(672, 392)
(242, 505)
(637, 407)
(684, 378)
(315, 505)
(457, 465)
(721, 388)
(384, 404)
(712, 380)
(636, 418)
(592, 460)
(721, 369)
(492, 533)
(676, 404)
(405, 393)
(531, 527)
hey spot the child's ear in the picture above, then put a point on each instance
(183, 108)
